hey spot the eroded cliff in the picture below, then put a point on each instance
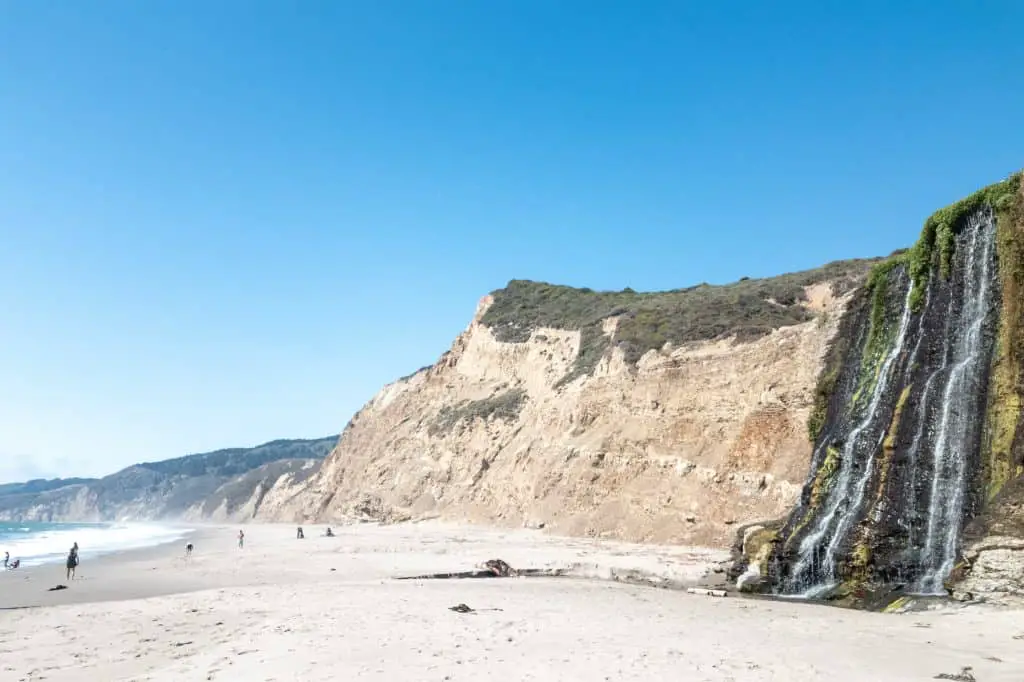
(668, 417)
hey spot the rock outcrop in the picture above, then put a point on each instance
(650, 441)
(993, 558)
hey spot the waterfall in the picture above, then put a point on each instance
(893, 469)
(920, 418)
(815, 570)
(957, 427)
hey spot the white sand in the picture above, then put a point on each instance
(276, 611)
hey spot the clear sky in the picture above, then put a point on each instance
(227, 222)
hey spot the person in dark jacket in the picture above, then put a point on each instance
(72, 562)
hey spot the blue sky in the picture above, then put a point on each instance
(223, 223)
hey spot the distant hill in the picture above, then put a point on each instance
(224, 484)
(40, 485)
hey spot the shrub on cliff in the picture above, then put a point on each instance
(748, 309)
(505, 405)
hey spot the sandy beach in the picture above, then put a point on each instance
(332, 609)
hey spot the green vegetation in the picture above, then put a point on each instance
(878, 284)
(897, 605)
(758, 547)
(880, 334)
(39, 485)
(1006, 385)
(885, 464)
(168, 488)
(839, 349)
(824, 479)
(748, 309)
(822, 395)
(504, 405)
(940, 228)
(894, 425)
(237, 461)
(860, 565)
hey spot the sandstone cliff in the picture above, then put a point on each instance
(660, 417)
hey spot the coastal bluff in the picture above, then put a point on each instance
(658, 417)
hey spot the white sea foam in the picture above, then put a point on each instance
(51, 542)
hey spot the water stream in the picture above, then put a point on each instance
(907, 508)
(958, 424)
(847, 494)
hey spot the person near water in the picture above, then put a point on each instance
(241, 539)
(72, 562)
(7, 558)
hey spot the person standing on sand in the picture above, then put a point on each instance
(7, 558)
(72, 562)
(241, 539)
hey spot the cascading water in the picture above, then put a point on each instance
(847, 494)
(892, 470)
(958, 426)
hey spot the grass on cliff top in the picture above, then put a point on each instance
(939, 231)
(748, 309)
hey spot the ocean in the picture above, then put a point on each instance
(43, 543)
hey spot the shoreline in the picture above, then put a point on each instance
(29, 586)
(324, 609)
(163, 569)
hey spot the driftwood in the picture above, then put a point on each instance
(492, 568)
(499, 568)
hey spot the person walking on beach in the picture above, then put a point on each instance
(241, 539)
(72, 562)
(7, 558)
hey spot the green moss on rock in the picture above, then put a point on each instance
(880, 334)
(1006, 384)
(822, 395)
(759, 545)
(824, 479)
(894, 425)
(897, 605)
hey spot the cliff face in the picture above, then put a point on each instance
(857, 429)
(919, 446)
(629, 426)
(226, 485)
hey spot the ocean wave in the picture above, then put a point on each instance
(53, 542)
